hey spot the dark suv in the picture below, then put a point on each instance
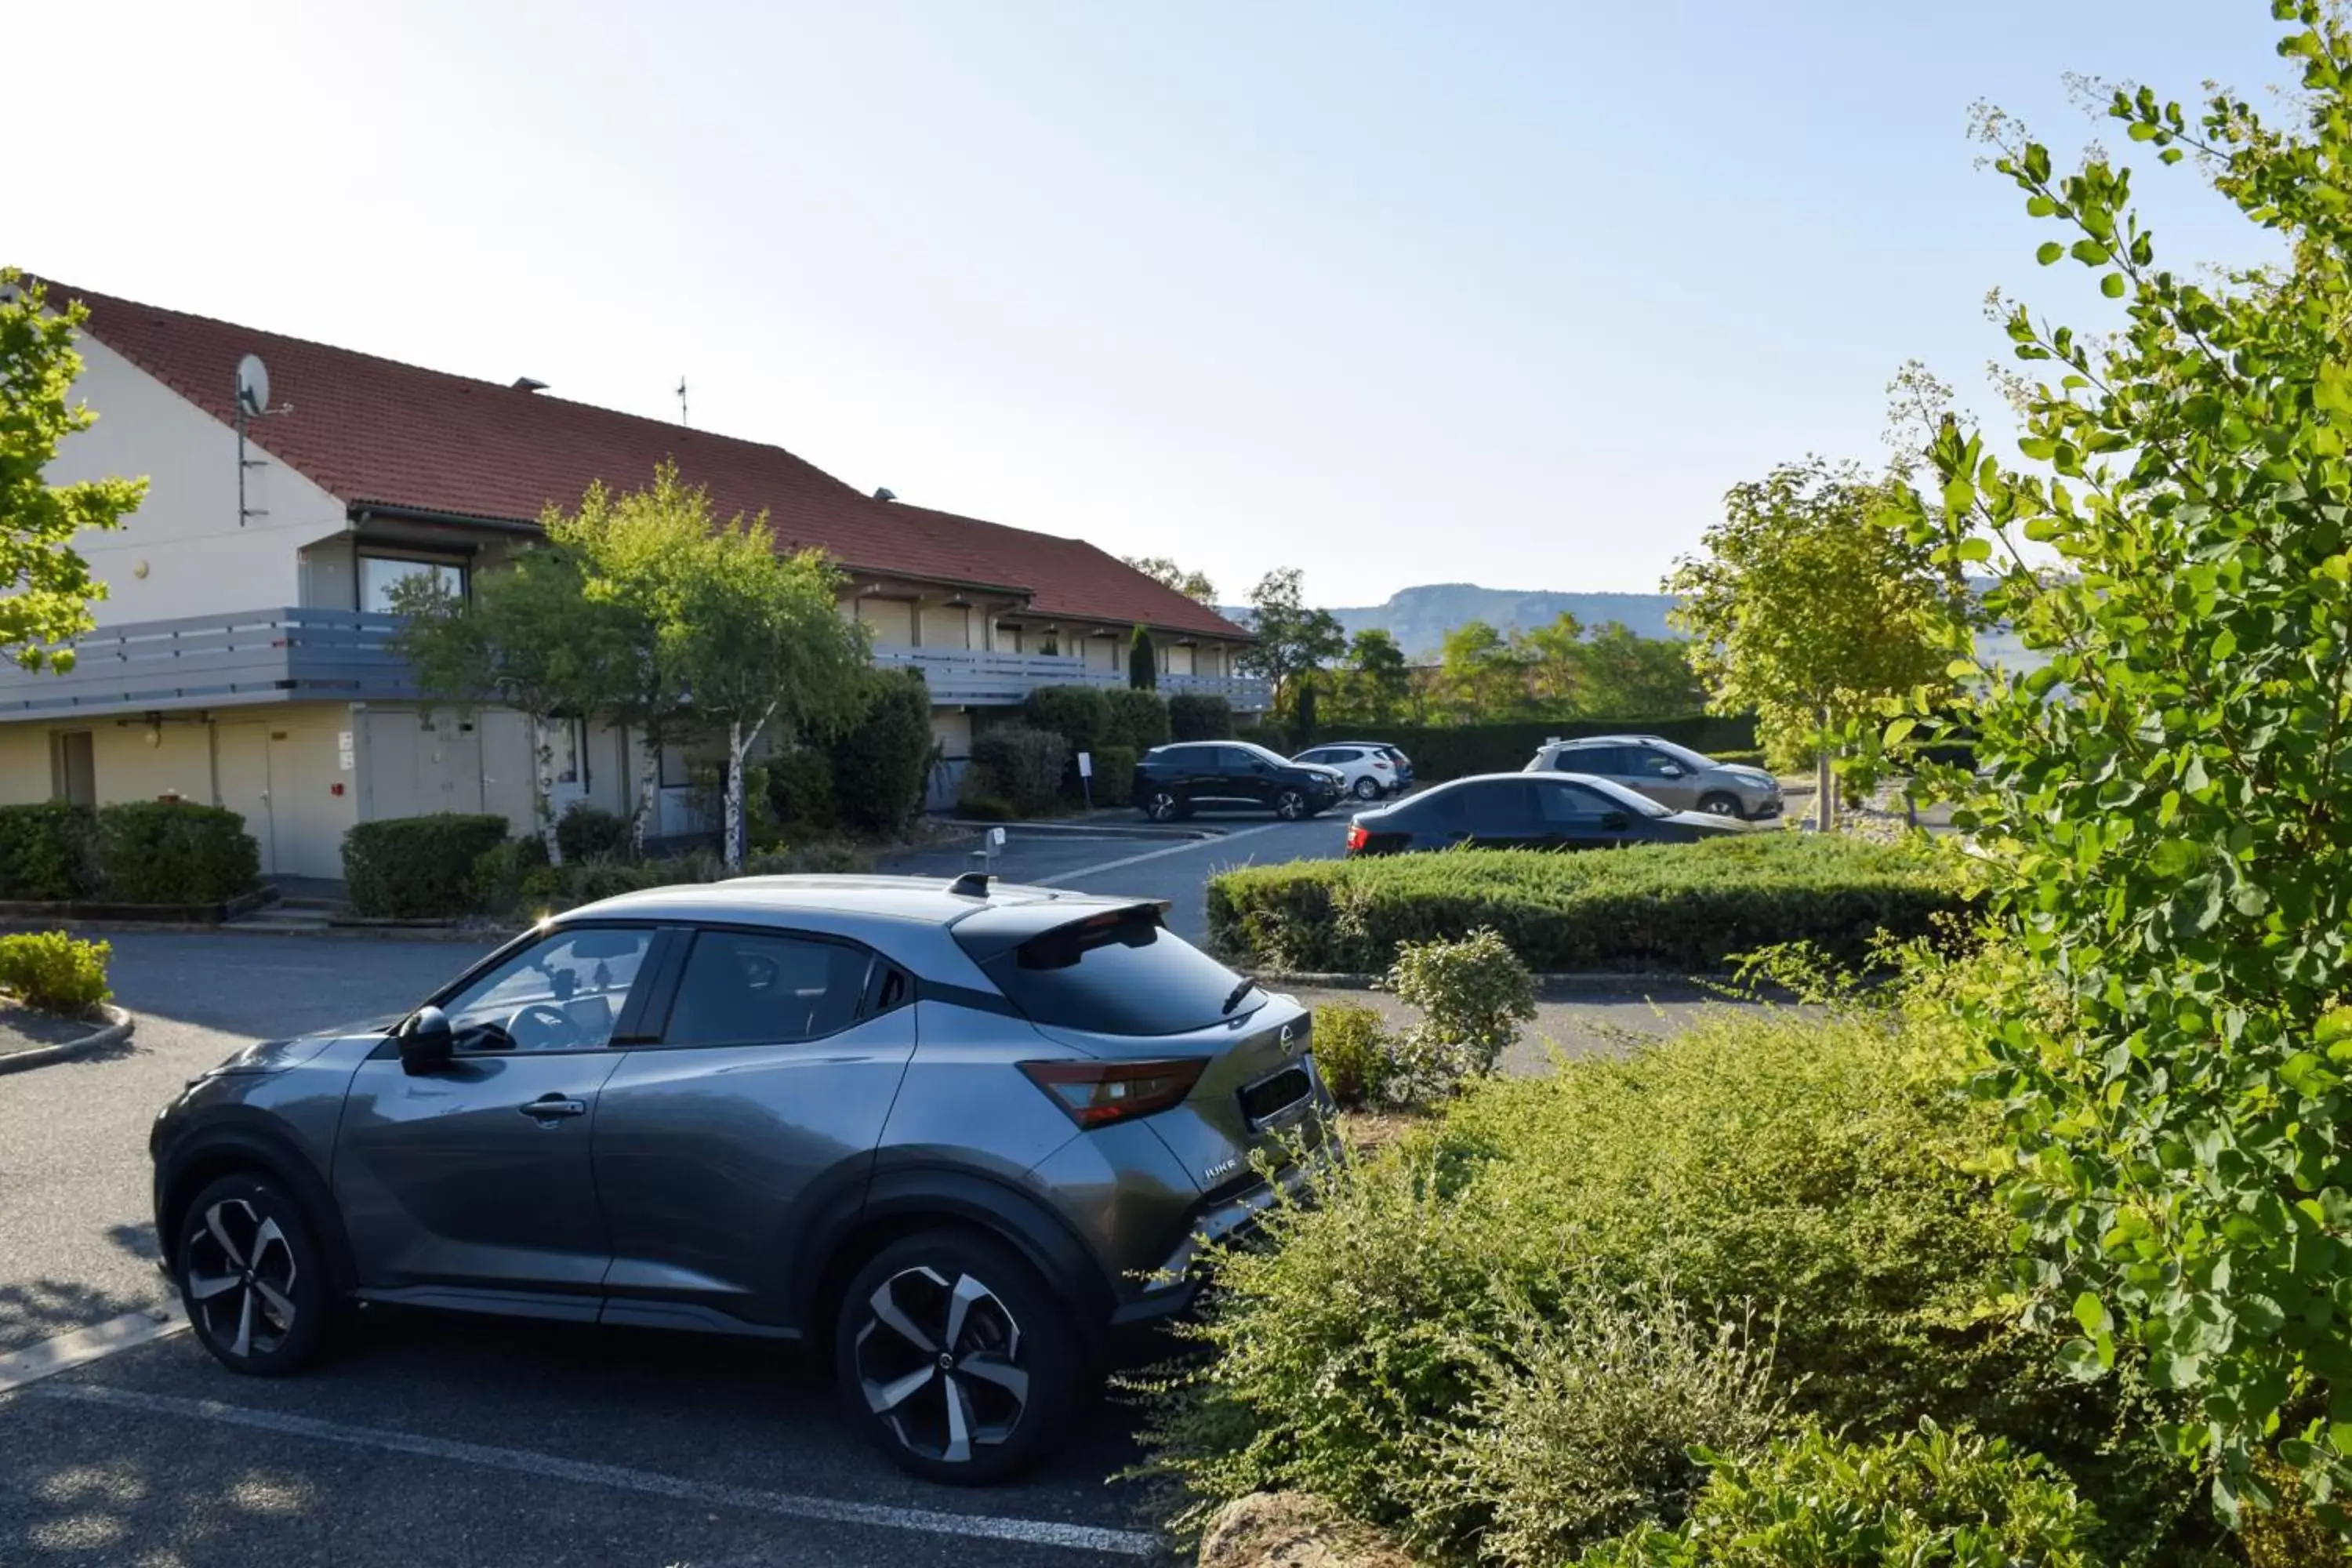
(1172, 781)
(954, 1136)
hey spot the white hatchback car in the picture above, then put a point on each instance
(1368, 772)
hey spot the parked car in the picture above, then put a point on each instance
(1400, 778)
(1672, 775)
(1524, 810)
(1366, 771)
(1028, 1107)
(1173, 780)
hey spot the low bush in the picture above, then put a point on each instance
(1442, 752)
(1355, 1054)
(418, 868)
(587, 832)
(497, 881)
(1114, 780)
(1738, 759)
(1930, 1499)
(47, 852)
(1688, 907)
(54, 972)
(1199, 716)
(1819, 1176)
(170, 852)
(800, 790)
(1079, 714)
(1474, 995)
(1020, 764)
(1138, 719)
(974, 805)
(882, 763)
(550, 888)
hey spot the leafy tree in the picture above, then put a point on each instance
(1554, 658)
(1142, 661)
(1624, 675)
(1378, 681)
(1159, 568)
(2166, 814)
(48, 587)
(1810, 604)
(1292, 640)
(1482, 674)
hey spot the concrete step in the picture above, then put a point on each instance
(277, 917)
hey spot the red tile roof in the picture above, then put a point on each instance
(374, 431)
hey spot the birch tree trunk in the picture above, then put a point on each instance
(1826, 813)
(648, 791)
(542, 788)
(737, 744)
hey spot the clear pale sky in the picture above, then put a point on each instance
(1397, 293)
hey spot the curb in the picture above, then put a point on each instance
(118, 1029)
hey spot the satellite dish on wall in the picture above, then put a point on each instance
(253, 386)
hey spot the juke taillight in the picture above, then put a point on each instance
(1098, 1093)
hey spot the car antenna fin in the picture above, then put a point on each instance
(971, 885)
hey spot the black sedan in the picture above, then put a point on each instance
(1529, 811)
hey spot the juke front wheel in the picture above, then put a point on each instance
(956, 1359)
(252, 1277)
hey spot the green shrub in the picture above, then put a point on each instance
(587, 832)
(1020, 764)
(418, 868)
(1928, 1499)
(1587, 1425)
(1264, 732)
(1819, 1175)
(1079, 714)
(54, 972)
(1138, 719)
(1355, 1054)
(1441, 751)
(1688, 907)
(495, 885)
(833, 857)
(169, 852)
(1114, 780)
(882, 763)
(973, 804)
(1199, 716)
(800, 789)
(47, 852)
(1738, 759)
(1474, 995)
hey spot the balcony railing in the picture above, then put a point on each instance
(348, 656)
(206, 661)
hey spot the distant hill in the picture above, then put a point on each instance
(1419, 617)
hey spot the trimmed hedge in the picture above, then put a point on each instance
(585, 830)
(1114, 780)
(1457, 751)
(1079, 714)
(881, 763)
(418, 868)
(1016, 764)
(47, 852)
(1138, 719)
(170, 852)
(1686, 907)
(1199, 716)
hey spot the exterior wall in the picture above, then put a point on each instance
(182, 553)
(949, 626)
(1105, 653)
(330, 575)
(1179, 659)
(25, 776)
(893, 620)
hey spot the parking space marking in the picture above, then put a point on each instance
(83, 1346)
(1185, 848)
(518, 1461)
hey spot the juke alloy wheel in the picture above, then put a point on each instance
(250, 1276)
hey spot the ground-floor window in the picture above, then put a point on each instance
(73, 771)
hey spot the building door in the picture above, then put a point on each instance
(73, 771)
(241, 762)
(283, 778)
(508, 760)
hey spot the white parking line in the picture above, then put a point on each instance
(83, 1346)
(788, 1505)
(1148, 854)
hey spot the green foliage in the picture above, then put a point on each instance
(1457, 751)
(1142, 661)
(1620, 672)
(1473, 993)
(1079, 714)
(1686, 908)
(1811, 603)
(1355, 1054)
(418, 868)
(585, 832)
(882, 763)
(2165, 810)
(547, 890)
(1199, 716)
(1018, 764)
(1818, 1177)
(1138, 719)
(1267, 732)
(47, 852)
(1930, 1499)
(800, 789)
(974, 803)
(1376, 683)
(53, 972)
(1193, 585)
(1482, 675)
(49, 585)
(1294, 641)
(170, 852)
(495, 886)
(1114, 780)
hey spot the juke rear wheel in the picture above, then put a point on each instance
(252, 1277)
(956, 1359)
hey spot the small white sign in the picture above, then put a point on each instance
(343, 750)
(995, 839)
(1085, 765)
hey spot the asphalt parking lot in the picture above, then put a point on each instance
(456, 1441)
